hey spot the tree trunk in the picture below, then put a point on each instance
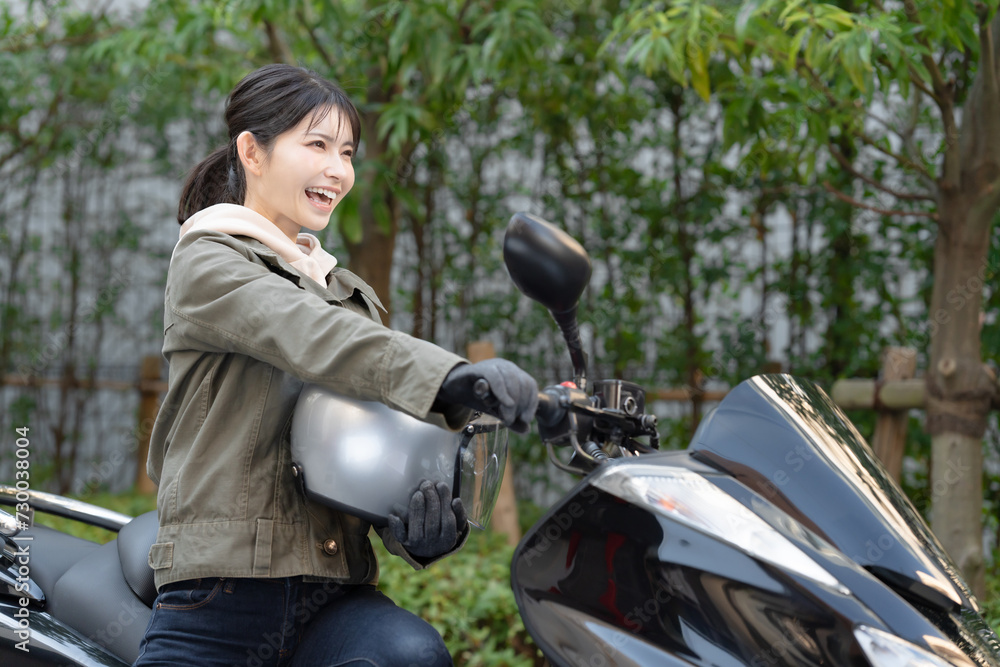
(149, 404)
(371, 259)
(957, 499)
(419, 310)
(686, 247)
(959, 392)
(959, 388)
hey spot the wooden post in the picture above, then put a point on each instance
(149, 376)
(505, 517)
(771, 367)
(866, 394)
(889, 440)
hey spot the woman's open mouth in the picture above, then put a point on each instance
(321, 198)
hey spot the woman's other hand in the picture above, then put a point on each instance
(434, 523)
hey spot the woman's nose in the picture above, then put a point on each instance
(335, 167)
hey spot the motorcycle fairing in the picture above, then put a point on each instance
(784, 438)
(594, 562)
(51, 643)
(963, 626)
(613, 580)
(572, 637)
(601, 577)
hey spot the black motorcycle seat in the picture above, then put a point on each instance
(106, 595)
(134, 542)
(52, 553)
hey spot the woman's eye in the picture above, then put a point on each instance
(319, 144)
(349, 153)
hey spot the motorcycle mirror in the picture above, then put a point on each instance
(551, 267)
(546, 263)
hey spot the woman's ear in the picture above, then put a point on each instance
(251, 155)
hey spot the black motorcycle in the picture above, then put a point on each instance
(776, 538)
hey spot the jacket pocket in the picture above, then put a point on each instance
(161, 555)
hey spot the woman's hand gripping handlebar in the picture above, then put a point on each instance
(494, 386)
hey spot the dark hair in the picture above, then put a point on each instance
(267, 102)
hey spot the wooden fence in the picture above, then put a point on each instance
(892, 395)
(150, 385)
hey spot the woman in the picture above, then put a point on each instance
(247, 569)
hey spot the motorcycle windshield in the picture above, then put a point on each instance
(784, 438)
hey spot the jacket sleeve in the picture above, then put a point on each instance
(219, 301)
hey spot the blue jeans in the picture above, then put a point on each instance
(277, 622)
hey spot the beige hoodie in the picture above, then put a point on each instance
(306, 255)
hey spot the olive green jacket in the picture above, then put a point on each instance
(242, 332)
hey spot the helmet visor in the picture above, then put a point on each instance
(482, 456)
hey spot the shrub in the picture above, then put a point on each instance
(468, 599)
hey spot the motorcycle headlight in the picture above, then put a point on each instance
(690, 499)
(887, 650)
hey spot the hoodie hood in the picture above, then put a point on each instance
(306, 255)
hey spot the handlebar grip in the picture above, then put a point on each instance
(550, 410)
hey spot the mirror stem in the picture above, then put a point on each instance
(571, 332)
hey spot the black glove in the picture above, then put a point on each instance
(434, 523)
(511, 394)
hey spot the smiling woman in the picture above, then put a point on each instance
(275, 103)
(301, 179)
(254, 307)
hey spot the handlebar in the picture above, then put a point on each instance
(550, 408)
(566, 415)
(553, 402)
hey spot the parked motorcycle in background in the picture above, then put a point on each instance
(776, 538)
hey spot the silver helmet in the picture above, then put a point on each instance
(367, 459)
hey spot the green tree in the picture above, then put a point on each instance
(60, 146)
(409, 66)
(903, 98)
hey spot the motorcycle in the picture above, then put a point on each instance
(775, 538)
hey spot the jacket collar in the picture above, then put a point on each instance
(342, 283)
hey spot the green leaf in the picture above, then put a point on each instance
(401, 34)
(699, 72)
(830, 17)
(639, 52)
(795, 48)
(347, 217)
(744, 15)
(853, 68)
(789, 9)
(796, 17)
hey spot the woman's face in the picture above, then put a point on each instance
(305, 176)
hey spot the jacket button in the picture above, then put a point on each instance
(330, 547)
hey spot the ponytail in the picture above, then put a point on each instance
(214, 180)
